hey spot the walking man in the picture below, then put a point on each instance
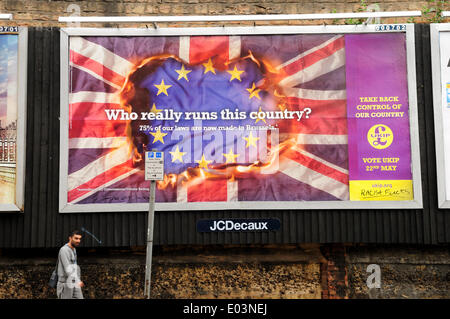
(69, 283)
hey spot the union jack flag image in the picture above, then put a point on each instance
(239, 118)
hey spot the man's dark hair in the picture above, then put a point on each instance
(75, 232)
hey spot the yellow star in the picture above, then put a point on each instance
(154, 110)
(158, 136)
(231, 158)
(235, 74)
(177, 155)
(253, 92)
(209, 67)
(251, 140)
(282, 106)
(182, 73)
(258, 119)
(203, 163)
(162, 88)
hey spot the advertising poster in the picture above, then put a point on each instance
(8, 115)
(441, 85)
(378, 118)
(249, 121)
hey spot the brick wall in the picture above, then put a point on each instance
(46, 12)
(334, 272)
(287, 272)
(313, 272)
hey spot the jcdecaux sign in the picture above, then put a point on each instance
(227, 225)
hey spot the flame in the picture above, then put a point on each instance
(133, 98)
(230, 171)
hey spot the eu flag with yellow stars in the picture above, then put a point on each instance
(211, 103)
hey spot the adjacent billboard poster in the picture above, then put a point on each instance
(440, 55)
(13, 56)
(248, 118)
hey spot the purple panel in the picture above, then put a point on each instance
(376, 68)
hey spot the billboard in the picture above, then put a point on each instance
(440, 58)
(13, 57)
(248, 118)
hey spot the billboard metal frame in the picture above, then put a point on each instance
(22, 58)
(408, 29)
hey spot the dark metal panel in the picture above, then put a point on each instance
(266, 236)
(401, 227)
(426, 122)
(132, 229)
(300, 225)
(329, 226)
(142, 233)
(194, 235)
(240, 237)
(228, 238)
(55, 123)
(347, 227)
(117, 229)
(413, 227)
(440, 221)
(408, 229)
(177, 227)
(447, 228)
(372, 226)
(364, 230)
(357, 226)
(166, 227)
(109, 230)
(315, 230)
(386, 228)
(249, 237)
(44, 142)
(285, 227)
(334, 220)
(5, 235)
(42, 226)
(33, 141)
(341, 223)
(308, 227)
(53, 139)
(393, 225)
(379, 220)
(125, 234)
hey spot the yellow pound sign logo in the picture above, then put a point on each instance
(380, 136)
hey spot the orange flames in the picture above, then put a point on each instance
(135, 99)
(194, 175)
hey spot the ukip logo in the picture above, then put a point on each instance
(380, 136)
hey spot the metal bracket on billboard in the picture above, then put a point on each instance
(373, 8)
(227, 18)
(6, 16)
